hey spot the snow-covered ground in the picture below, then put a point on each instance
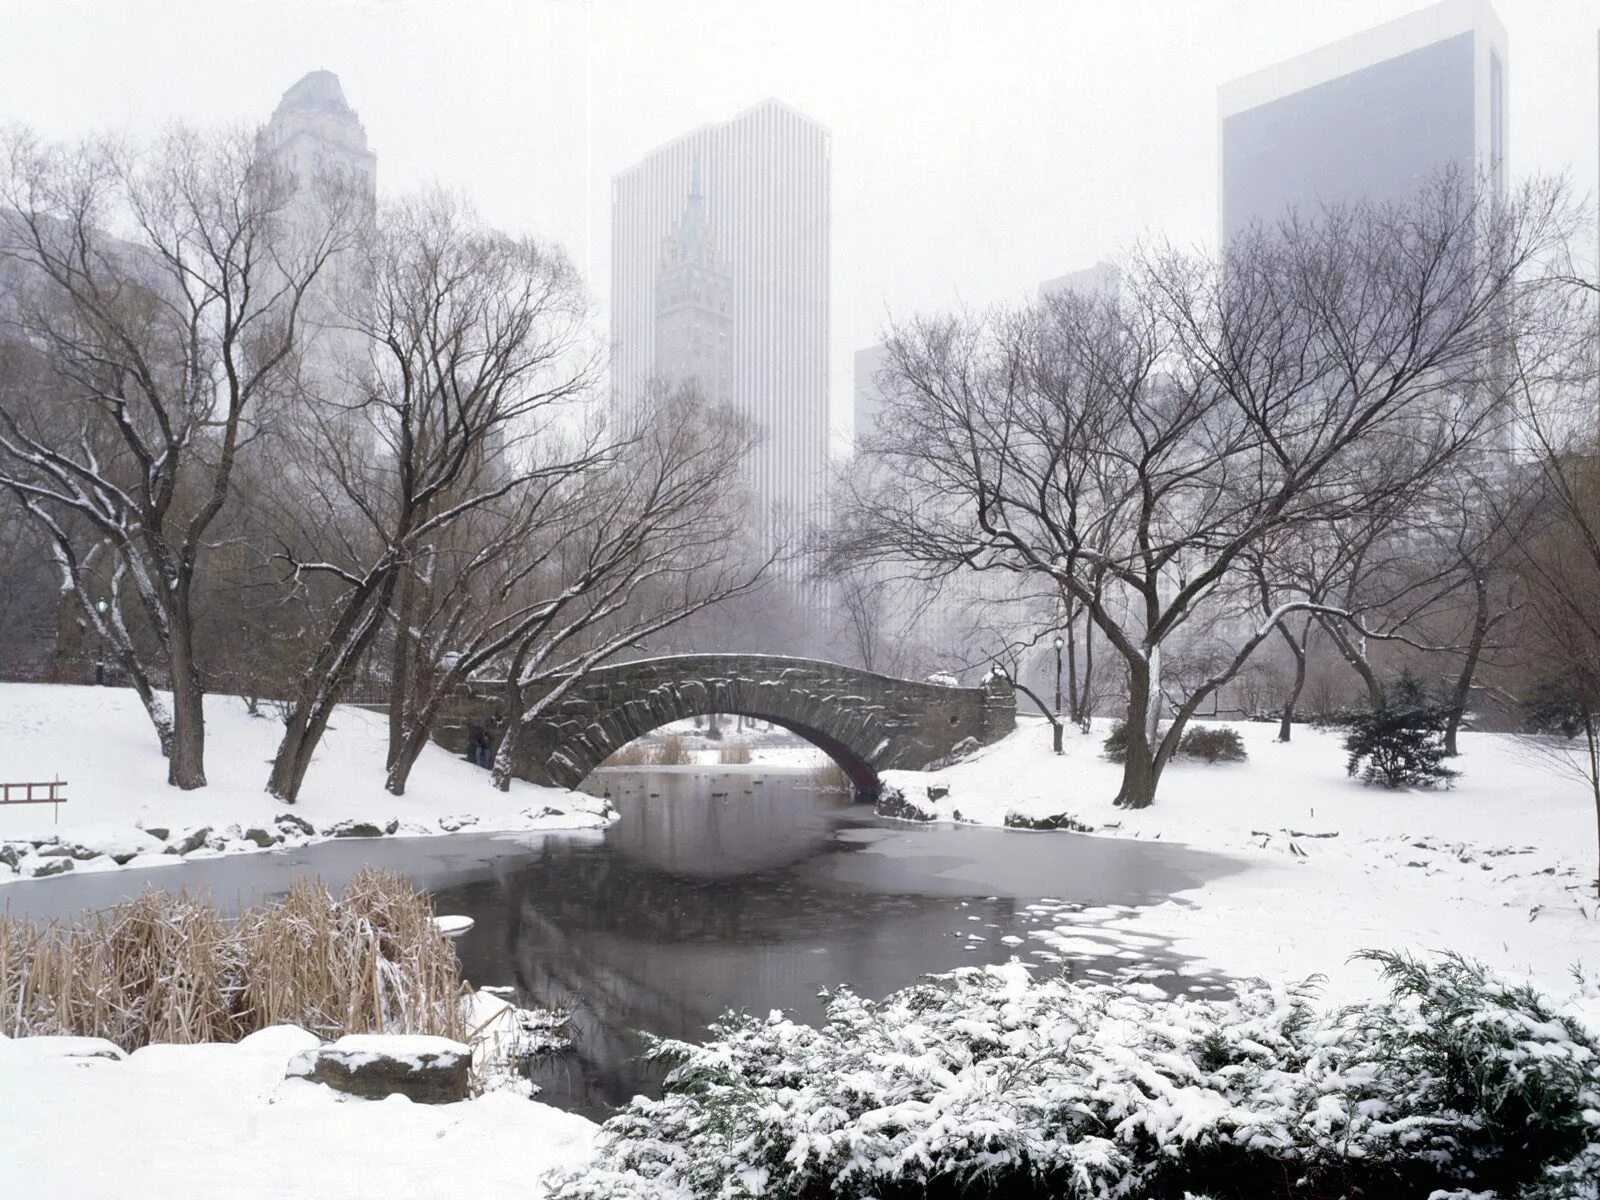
(1499, 867)
(222, 1121)
(100, 742)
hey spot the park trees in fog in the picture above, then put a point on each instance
(459, 344)
(1155, 439)
(157, 300)
(1554, 373)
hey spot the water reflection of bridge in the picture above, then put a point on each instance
(695, 903)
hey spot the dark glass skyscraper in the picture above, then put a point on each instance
(1370, 117)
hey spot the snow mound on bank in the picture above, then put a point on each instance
(100, 742)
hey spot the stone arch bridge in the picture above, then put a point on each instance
(867, 723)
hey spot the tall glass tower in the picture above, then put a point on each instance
(1370, 117)
(739, 210)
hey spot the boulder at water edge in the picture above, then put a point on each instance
(428, 1070)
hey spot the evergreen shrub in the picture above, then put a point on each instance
(1400, 744)
(1214, 744)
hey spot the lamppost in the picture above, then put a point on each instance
(1057, 730)
(100, 643)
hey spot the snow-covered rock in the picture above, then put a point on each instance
(427, 1070)
(292, 826)
(39, 867)
(453, 926)
(359, 829)
(190, 840)
(32, 1049)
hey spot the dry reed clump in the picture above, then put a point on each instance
(672, 751)
(733, 754)
(830, 777)
(168, 968)
(634, 754)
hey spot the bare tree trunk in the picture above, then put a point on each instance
(300, 739)
(1353, 655)
(1086, 701)
(1463, 688)
(1073, 710)
(402, 760)
(400, 668)
(186, 765)
(1592, 742)
(1139, 773)
(1286, 726)
(500, 773)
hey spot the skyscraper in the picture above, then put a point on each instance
(316, 136)
(739, 209)
(694, 298)
(315, 133)
(1370, 117)
(868, 391)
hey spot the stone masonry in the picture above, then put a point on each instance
(867, 723)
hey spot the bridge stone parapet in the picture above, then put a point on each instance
(865, 722)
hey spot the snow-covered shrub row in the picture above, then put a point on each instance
(985, 1082)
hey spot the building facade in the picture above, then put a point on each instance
(694, 305)
(739, 209)
(315, 134)
(868, 400)
(1101, 280)
(1371, 117)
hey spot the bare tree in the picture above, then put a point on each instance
(164, 288)
(1554, 367)
(463, 343)
(657, 544)
(1160, 435)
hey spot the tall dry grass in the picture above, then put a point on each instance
(830, 777)
(733, 754)
(672, 751)
(168, 967)
(634, 754)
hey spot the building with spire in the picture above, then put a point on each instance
(755, 231)
(315, 134)
(694, 305)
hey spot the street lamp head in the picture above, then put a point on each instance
(100, 606)
(1058, 641)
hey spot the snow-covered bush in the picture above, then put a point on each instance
(1214, 744)
(986, 1083)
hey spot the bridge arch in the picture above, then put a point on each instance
(865, 722)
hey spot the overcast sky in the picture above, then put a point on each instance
(978, 147)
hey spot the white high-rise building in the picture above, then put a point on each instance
(739, 209)
(1370, 117)
(1103, 279)
(315, 134)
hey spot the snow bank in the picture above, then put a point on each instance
(221, 1120)
(120, 810)
(1499, 867)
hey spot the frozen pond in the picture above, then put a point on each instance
(721, 888)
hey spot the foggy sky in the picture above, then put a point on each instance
(978, 148)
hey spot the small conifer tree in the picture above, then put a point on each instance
(1400, 743)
